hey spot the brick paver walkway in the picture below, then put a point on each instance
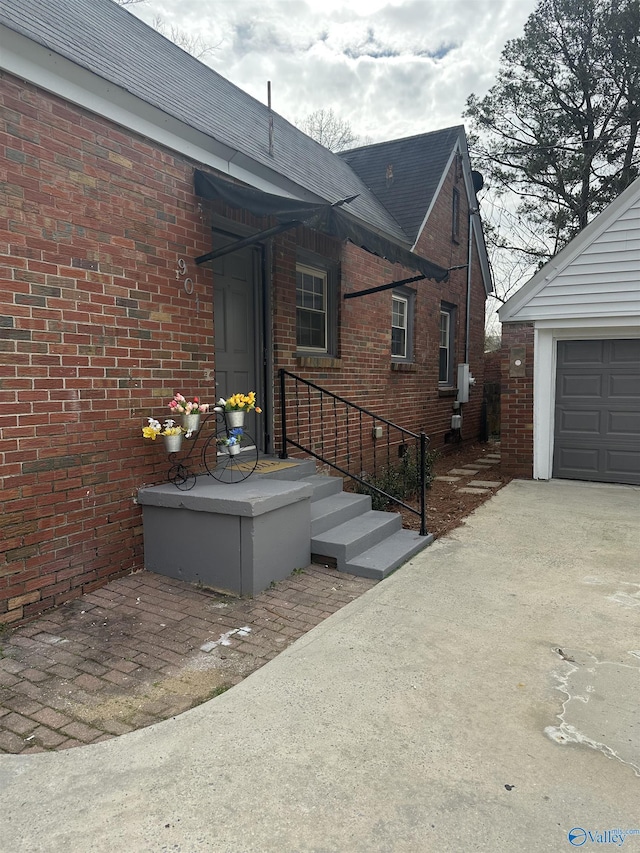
(145, 648)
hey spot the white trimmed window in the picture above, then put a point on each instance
(311, 308)
(447, 325)
(399, 326)
(402, 310)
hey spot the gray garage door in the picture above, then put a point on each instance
(597, 416)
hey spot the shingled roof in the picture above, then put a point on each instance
(105, 39)
(405, 173)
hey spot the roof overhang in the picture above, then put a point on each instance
(515, 308)
(329, 218)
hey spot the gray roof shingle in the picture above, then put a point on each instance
(404, 173)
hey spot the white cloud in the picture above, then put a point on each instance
(393, 68)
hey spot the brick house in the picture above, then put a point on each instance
(124, 160)
(571, 357)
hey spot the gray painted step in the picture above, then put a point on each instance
(299, 469)
(344, 528)
(359, 534)
(382, 559)
(336, 509)
(323, 486)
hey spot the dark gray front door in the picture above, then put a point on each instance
(235, 313)
(597, 413)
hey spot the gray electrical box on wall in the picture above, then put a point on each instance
(465, 381)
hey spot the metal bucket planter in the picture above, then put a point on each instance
(234, 419)
(191, 423)
(173, 443)
(233, 449)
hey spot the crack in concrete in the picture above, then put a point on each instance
(600, 710)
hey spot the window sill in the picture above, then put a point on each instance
(447, 392)
(404, 366)
(323, 361)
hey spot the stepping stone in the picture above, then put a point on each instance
(494, 457)
(471, 491)
(448, 479)
(485, 484)
(464, 472)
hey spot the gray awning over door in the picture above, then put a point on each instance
(331, 219)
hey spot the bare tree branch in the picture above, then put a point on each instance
(195, 45)
(329, 130)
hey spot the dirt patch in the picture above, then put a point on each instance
(447, 507)
(168, 696)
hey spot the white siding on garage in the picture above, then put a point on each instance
(603, 280)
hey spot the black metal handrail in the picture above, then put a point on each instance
(315, 406)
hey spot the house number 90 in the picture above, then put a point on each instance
(182, 270)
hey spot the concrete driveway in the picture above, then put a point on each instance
(485, 697)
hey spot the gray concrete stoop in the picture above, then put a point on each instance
(345, 531)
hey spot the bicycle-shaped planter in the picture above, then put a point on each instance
(224, 461)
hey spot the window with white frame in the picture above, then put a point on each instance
(399, 321)
(447, 326)
(311, 308)
(402, 324)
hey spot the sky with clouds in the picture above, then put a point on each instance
(392, 69)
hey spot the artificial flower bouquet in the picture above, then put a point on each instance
(155, 428)
(238, 403)
(233, 437)
(181, 406)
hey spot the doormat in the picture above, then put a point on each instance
(265, 466)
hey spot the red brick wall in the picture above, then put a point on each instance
(516, 402)
(407, 395)
(97, 332)
(493, 367)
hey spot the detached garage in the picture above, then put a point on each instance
(571, 357)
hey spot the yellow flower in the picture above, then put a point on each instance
(149, 432)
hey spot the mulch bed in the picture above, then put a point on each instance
(446, 506)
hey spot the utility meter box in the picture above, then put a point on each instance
(465, 381)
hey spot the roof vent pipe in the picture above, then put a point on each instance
(270, 118)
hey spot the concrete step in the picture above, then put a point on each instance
(336, 509)
(296, 469)
(345, 541)
(384, 558)
(323, 486)
(346, 530)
